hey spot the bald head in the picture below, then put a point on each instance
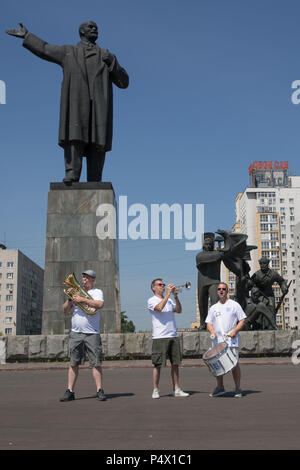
(88, 31)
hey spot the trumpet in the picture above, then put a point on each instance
(187, 285)
(75, 288)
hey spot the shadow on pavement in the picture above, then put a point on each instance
(108, 396)
(245, 393)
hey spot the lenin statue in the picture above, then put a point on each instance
(86, 106)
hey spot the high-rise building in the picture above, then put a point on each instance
(21, 294)
(268, 212)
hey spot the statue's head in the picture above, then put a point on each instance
(88, 31)
(264, 264)
(208, 241)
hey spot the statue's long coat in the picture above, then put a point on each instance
(75, 123)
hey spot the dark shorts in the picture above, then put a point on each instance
(82, 344)
(166, 348)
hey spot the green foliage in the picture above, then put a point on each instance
(126, 326)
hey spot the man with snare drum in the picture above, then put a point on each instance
(224, 320)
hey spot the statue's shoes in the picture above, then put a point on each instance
(70, 180)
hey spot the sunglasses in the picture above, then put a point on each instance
(161, 285)
(222, 288)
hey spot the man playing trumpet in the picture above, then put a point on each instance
(165, 341)
(85, 335)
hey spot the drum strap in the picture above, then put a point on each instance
(220, 323)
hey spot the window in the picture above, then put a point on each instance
(275, 263)
(8, 331)
(10, 264)
(8, 308)
(281, 201)
(9, 298)
(9, 275)
(291, 201)
(8, 320)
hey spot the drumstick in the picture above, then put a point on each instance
(226, 335)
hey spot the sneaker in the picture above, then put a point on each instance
(100, 395)
(180, 393)
(68, 396)
(155, 393)
(218, 392)
(238, 393)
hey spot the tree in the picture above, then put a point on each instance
(126, 326)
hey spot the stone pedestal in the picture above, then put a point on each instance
(72, 245)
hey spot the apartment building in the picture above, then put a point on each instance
(21, 294)
(268, 212)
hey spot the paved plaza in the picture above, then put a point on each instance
(267, 417)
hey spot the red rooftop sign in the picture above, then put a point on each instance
(269, 166)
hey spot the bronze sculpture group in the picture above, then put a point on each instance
(254, 294)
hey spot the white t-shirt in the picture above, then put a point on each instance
(83, 323)
(228, 314)
(163, 323)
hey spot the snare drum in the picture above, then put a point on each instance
(220, 359)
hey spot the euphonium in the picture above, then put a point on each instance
(76, 289)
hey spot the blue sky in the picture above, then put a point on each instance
(210, 92)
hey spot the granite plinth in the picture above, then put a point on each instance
(72, 245)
